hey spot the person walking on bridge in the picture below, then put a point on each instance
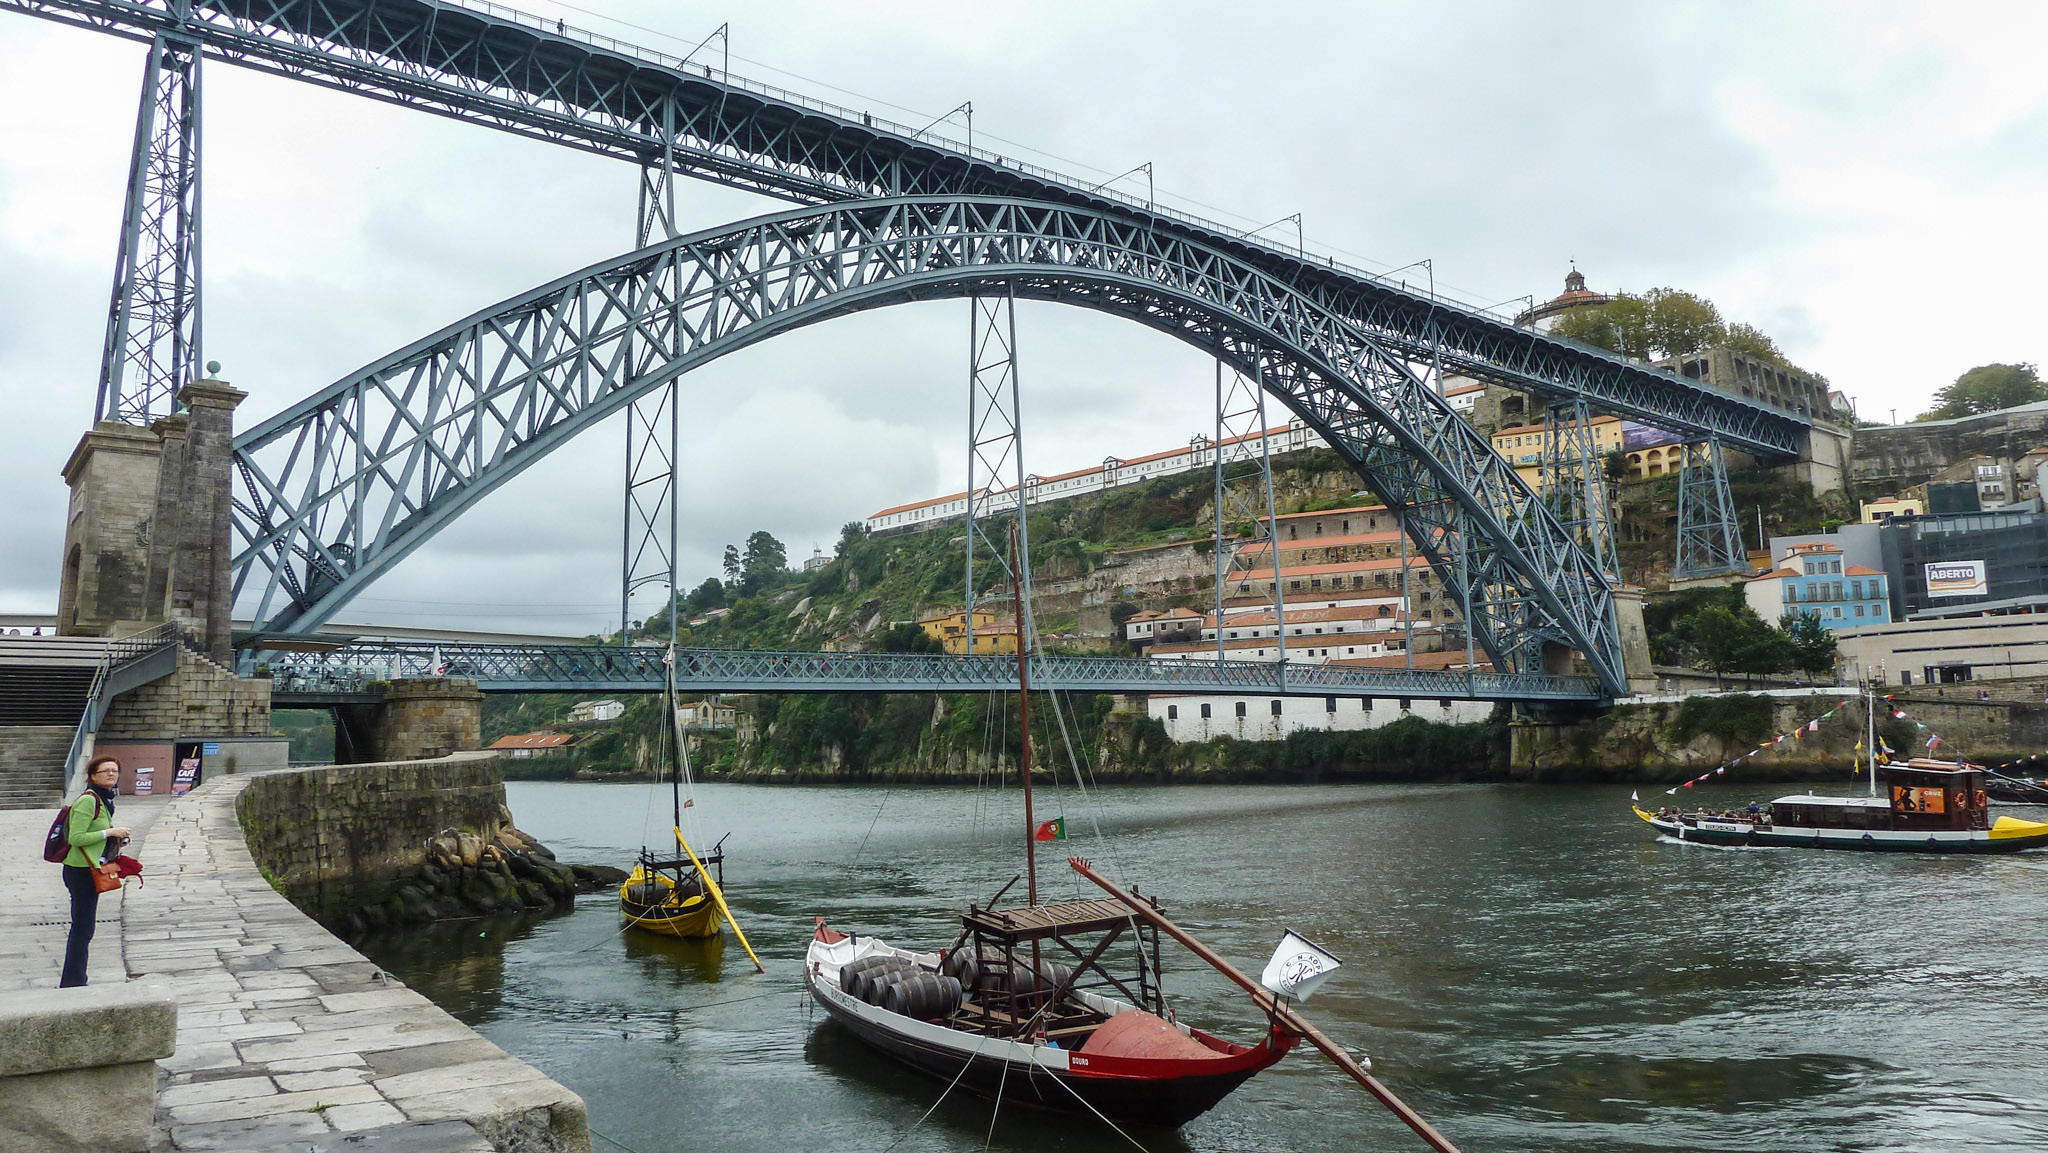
(93, 836)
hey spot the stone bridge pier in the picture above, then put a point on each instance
(417, 719)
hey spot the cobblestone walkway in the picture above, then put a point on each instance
(288, 1041)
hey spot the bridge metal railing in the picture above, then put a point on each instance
(587, 668)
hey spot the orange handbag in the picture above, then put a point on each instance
(106, 878)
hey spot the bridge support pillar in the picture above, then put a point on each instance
(417, 720)
(1635, 639)
(146, 535)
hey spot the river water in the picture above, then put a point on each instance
(1529, 967)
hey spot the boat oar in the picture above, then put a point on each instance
(1267, 1001)
(711, 886)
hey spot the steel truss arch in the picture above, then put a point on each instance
(341, 486)
(518, 73)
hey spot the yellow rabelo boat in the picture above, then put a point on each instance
(679, 896)
(669, 897)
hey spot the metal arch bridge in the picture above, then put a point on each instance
(346, 483)
(305, 679)
(350, 489)
(515, 72)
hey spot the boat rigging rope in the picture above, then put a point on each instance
(964, 1066)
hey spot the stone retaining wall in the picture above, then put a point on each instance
(201, 699)
(1639, 742)
(364, 846)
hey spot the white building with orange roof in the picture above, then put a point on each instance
(1814, 580)
(1294, 436)
(1247, 717)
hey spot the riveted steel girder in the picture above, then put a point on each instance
(534, 77)
(344, 484)
(347, 674)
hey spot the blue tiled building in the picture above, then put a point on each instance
(1812, 579)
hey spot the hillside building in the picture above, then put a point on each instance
(950, 628)
(1814, 580)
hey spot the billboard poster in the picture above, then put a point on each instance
(1957, 578)
(1639, 436)
(185, 765)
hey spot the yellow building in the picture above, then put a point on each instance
(1523, 447)
(1885, 508)
(950, 630)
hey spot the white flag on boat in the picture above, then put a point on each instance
(1298, 966)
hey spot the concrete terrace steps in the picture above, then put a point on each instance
(32, 765)
(53, 651)
(42, 695)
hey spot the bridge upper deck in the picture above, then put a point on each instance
(520, 73)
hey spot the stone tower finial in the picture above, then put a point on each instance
(1574, 281)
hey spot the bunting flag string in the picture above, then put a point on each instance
(1935, 740)
(1811, 726)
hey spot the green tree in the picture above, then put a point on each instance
(851, 533)
(906, 637)
(1680, 323)
(1988, 388)
(731, 565)
(1752, 343)
(1621, 325)
(1615, 464)
(1724, 640)
(1813, 645)
(706, 596)
(764, 560)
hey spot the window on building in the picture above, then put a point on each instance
(1173, 712)
(1329, 704)
(1859, 610)
(1240, 708)
(1205, 712)
(1856, 590)
(1276, 706)
(1838, 612)
(1406, 704)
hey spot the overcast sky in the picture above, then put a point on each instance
(1864, 182)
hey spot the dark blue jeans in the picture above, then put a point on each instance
(85, 907)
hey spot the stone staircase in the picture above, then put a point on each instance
(32, 765)
(45, 685)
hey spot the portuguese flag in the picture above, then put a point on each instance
(1053, 830)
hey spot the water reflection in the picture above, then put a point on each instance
(1524, 965)
(661, 960)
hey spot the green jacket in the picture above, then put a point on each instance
(90, 820)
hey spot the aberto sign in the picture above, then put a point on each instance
(1957, 578)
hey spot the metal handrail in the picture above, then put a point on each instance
(121, 653)
(352, 670)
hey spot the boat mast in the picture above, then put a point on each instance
(674, 730)
(1870, 720)
(1024, 722)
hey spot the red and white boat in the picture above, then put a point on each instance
(1066, 1034)
(1025, 1007)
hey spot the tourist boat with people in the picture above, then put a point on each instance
(1926, 806)
(1059, 1005)
(668, 894)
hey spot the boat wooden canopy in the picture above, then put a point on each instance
(1037, 922)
